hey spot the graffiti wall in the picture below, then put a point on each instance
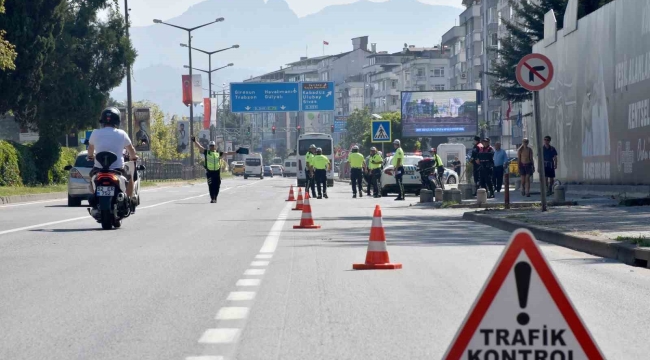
(597, 108)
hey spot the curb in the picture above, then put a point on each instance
(513, 205)
(32, 197)
(625, 253)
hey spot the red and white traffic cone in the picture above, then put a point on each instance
(377, 253)
(291, 198)
(299, 204)
(306, 221)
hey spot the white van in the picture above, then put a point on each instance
(253, 166)
(290, 166)
(323, 141)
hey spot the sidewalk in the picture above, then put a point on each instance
(597, 226)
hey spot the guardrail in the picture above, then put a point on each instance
(167, 170)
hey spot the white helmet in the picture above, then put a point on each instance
(355, 148)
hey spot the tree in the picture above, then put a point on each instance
(32, 26)
(7, 51)
(358, 126)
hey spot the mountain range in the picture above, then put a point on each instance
(270, 35)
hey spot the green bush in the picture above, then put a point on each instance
(27, 165)
(47, 153)
(9, 169)
(67, 157)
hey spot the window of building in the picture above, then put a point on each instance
(393, 100)
(421, 87)
(494, 39)
(407, 76)
(421, 72)
(439, 72)
(393, 84)
(439, 87)
(495, 117)
(492, 15)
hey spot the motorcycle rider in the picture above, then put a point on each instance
(112, 139)
(440, 167)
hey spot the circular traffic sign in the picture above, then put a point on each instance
(534, 72)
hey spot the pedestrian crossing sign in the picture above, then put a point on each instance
(381, 131)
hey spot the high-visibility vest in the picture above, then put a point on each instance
(212, 161)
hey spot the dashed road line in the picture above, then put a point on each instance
(219, 336)
(232, 313)
(259, 263)
(241, 296)
(254, 272)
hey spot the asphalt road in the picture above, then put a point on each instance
(186, 279)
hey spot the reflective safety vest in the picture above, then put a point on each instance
(375, 157)
(320, 162)
(308, 159)
(212, 161)
(438, 160)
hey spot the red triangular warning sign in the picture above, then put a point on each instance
(522, 312)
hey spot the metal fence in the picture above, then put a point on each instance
(169, 170)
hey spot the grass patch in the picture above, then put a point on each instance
(30, 190)
(448, 204)
(641, 241)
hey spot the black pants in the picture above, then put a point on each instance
(400, 183)
(214, 183)
(321, 179)
(310, 182)
(374, 179)
(476, 174)
(486, 178)
(356, 175)
(498, 177)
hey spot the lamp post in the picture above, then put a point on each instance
(189, 41)
(209, 72)
(129, 99)
(210, 53)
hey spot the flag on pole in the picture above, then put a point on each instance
(508, 112)
(500, 118)
(519, 120)
(325, 42)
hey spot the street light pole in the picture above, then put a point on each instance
(129, 99)
(210, 53)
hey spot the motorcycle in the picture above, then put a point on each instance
(428, 174)
(111, 204)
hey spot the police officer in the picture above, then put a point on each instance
(398, 164)
(310, 181)
(357, 169)
(321, 164)
(440, 167)
(475, 162)
(374, 166)
(486, 158)
(212, 167)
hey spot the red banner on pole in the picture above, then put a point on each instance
(187, 90)
(207, 112)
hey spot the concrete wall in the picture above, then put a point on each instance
(9, 129)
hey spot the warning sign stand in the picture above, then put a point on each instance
(523, 312)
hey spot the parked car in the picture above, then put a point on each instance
(238, 168)
(268, 171)
(277, 170)
(79, 180)
(411, 179)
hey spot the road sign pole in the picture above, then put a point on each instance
(540, 150)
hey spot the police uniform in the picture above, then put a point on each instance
(440, 168)
(213, 172)
(309, 180)
(486, 158)
(375, 172)
(399, 172)
(320, 164)
(475, 163)
(356, 172)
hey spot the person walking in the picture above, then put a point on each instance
(500, 158)
(550, 163)
(321, 165)
(310, 180)
(526, 166)
(476, 164)
(212, 167)
(486, 159)
(357, 169)
(398, 164)
(374, 166)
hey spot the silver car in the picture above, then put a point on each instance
(79, 180)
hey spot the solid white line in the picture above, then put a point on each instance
(241, 296)
(232, 313)
(31, 203)
(259, 263)
(248, 282)
(271, 242)
(219, 336)
(264, 256)
(254, 272)
(205, 358)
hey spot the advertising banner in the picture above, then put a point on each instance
(207, 113)
(183, 137)
(197, 89)
(142, 124)
(187, 90)
(439, 113)
(204, 138)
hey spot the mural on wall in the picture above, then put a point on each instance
(597, 109)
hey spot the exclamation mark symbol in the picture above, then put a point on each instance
(522, 277)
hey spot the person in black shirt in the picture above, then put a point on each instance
(457, 166)
(486, 159)
(550, 163)
(478, 147)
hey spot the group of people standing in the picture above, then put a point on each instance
(368, 168)
(527, 166)
(317, 166)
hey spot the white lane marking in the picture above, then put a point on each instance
(232, 313)
(271, 242)
(31, 203)
(248, 282)
(241, 296)
(205, 358)
(259, 263)
(219, 336)
(264, 256)
(254, 272)
(89, 217)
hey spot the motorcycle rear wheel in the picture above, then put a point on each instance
(107, 220)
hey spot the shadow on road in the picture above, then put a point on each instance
(66, 230)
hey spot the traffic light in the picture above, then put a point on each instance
(332, 128)
(273, 130)
(298, 128)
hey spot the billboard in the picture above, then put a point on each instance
(439, 113)
(142, 125)
(183, 137)
(204, 138)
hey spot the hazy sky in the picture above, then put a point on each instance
(143, 11)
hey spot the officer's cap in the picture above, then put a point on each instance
(312, 146)
(212, 143)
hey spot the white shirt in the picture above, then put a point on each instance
(111, 140)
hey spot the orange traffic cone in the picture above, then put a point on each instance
(377, 254)
(306, 221)
(291, 198)
(299, 205)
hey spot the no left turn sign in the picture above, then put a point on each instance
(534, 72)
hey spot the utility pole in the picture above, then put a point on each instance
(129, 99)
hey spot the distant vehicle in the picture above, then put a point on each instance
(411, 179)
(277, 170)
(238, 168)
(277, 161)
(323, 141)
(268, 171)
(253, 166)
(79, 180)
(290, 166)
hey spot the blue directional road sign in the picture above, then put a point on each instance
(381, 131)
(264, 97)
(317, 96)
(340, 123)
